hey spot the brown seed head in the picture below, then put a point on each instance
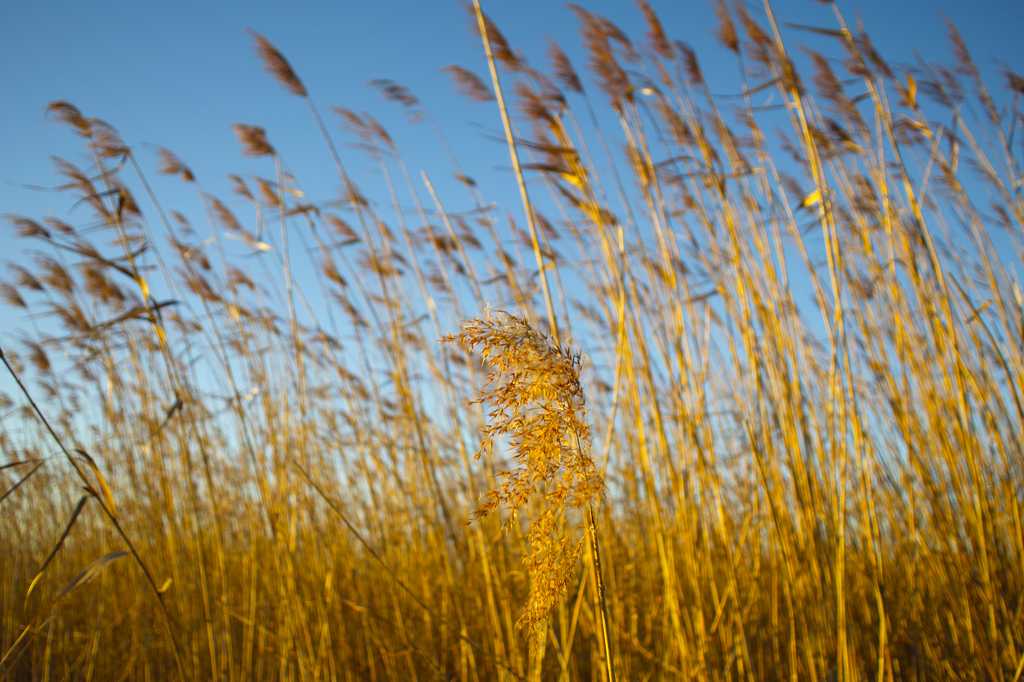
(655, 32)
(277, 66)
(253, 139)
(726, 32)
(499, 46)
(395, 92)
(564, 73)
(598, 33)
(172, 165)
(10, 296)
(468, 84)
(67, 113)
(1014, 82)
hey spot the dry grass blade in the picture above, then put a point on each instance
(56, 547)
(248, 240)
(24, 478)
(11, 465)
(109, 513)
(93, 570)
(108, 497)
(804, 348)
(391, 573)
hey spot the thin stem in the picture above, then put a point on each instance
(514, 155)
(606, 635)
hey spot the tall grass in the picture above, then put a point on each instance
(802, 349)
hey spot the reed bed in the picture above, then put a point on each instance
(784, 347)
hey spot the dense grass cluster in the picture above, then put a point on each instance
(802, 347)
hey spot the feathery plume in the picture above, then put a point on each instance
(253, 140)
(726, 32)
(564, 73)
(277, 66)
(67, 113)
(538, 407)
(396, 92)
(499, 45)
(655, 31)
(170, 164)
(468, 84)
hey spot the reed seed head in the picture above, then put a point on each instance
(539, 409)
(277, 66)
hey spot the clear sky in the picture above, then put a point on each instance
(178, 74)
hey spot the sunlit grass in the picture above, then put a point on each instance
(777, 372)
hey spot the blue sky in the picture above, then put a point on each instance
(180, 74)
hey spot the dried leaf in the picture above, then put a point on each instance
(93, 570)
(60, 542)
(108, 498)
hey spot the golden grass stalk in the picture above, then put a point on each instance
(514, 156)
(804, 349)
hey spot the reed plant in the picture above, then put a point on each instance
(793, 413)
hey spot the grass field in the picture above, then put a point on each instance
(753, 413)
